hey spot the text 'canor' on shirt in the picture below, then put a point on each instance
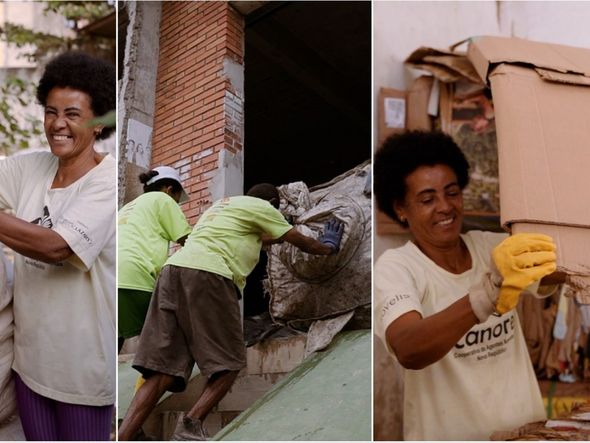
(486, 382)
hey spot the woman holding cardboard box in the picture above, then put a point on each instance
(444, 301)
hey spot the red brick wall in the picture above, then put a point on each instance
(195, 103)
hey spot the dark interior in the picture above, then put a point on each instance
(307, 98)
(308, 91)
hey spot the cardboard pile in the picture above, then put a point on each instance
(574, 426)
(455, 100)
(458, 103)
(542, 104)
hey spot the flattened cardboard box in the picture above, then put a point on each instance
(460, 101)
(542, 103)
(417, 104)
(392, 115)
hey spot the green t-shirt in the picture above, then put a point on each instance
(226, 239)
(146, 225)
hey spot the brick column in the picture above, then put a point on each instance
(199, 116)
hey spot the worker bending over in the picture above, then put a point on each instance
(194, 314)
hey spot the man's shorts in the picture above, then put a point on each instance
(132, 309)
(194, 315)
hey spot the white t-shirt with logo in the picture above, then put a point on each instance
(486, 382)
(64, 314)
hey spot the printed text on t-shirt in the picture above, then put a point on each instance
(391, 302)
(486, 342)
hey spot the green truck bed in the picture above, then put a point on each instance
(328, 397)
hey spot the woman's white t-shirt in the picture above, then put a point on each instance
(486, 383)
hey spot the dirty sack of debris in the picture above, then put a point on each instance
(322, 294)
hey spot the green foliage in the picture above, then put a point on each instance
(109, 120)
(42, 43)
(78, 14)
(15, 134)
(80, 10)
(15, 94)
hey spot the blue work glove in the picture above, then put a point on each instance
(332, 235)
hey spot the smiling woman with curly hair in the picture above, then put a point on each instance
(435, 296)
(64, 237)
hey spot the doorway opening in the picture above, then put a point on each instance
(307, 99)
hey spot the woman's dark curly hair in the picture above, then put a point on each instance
(78, 70)
(402, 154)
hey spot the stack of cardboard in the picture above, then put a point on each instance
(542, 104)
(575, 426)
(459, 104)
(392, 111)
(535, 138)
(455, 100)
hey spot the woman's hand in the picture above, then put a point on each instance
(522, 259)
(518, 261)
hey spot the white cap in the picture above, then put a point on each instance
(168, 172)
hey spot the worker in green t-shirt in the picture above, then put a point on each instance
(146, 226)
(194, 314)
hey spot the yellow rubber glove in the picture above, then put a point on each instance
(139, 383)
(522, 259)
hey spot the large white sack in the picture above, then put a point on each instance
(305, 287)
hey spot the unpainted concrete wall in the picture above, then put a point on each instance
(137, 96)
